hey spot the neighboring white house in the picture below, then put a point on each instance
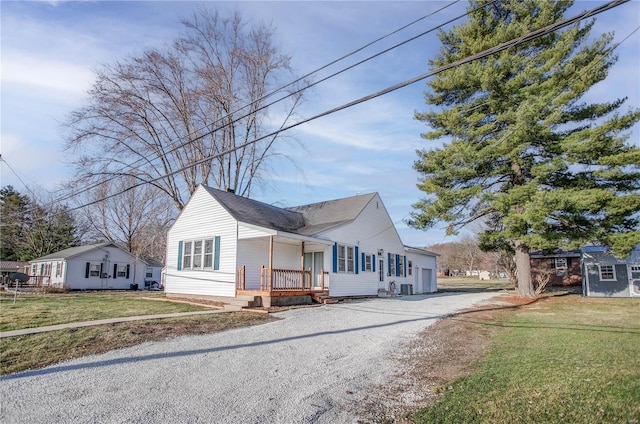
(223, 245)
(92, 267)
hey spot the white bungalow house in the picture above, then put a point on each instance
(91, 267)
(226, 245)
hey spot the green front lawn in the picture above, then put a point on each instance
(561, 360)
(37, 310)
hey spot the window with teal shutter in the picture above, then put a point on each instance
(335, 257)
(363, 262)
(373, 263)
(216, 253)
(356, 259)
(404, 264)
(179, 255)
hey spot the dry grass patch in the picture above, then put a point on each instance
(40, 350)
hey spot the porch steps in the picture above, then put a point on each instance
(239, 302)
(325, 299)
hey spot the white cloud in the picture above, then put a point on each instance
(38, 73)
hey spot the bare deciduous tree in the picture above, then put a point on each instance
(137, 219)
(201, 97)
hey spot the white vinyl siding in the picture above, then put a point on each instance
(202, 219)
(370, 231)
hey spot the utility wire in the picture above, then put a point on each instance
(17, 176)
(120, 172)
(501, 47)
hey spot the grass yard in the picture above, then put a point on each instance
(472, 283)
(37, 310)
(564, 359)
(40, 350)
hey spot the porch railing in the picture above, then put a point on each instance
(240, 278)
(284, 280)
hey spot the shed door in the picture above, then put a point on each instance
(634, 280)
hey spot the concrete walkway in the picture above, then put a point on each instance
(35, 330)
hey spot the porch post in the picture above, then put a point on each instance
(270, 263)
(302, 258)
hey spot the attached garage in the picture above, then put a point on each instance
(421, 267)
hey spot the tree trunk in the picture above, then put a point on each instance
(523, 270)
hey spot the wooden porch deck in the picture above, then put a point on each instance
(283, 283)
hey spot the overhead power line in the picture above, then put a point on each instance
(133, 165)
(501, 47)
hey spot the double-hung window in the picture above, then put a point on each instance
(342, 262)
(122, 271)
(367, 262)
(392, 266)
(346, 258)
(94, 270)
(200, 254)
(197, 254)
(350, 260)
(607, 273)
(561, 266)
(187, 254)
(208, 253)
(400, 266)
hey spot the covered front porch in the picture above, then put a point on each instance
(294, 272)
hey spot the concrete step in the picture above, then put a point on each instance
(232, 308)
(237, 302)
(324, 299)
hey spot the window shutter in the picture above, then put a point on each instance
(397, 265)
(115, 270)
(405, 265)
(363, 261)
(128, 271)
(216, 253)
(86, 271)
(179, 267)
(355, 258)
(389, 263)
(373, 263)
(101, 269)
(335, 257)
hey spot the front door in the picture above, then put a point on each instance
(314, 261)
(381, 284)
(634, 279)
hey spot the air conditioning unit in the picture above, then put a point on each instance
(105, 275)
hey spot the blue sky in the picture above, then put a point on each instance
(50, 49)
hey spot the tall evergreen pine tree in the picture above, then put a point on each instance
(522, 150)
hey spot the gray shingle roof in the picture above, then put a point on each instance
(12, 265)
(257, 213)
(72, 251)
(305, 220)
(322, 216)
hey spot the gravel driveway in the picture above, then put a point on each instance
(308, 367)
